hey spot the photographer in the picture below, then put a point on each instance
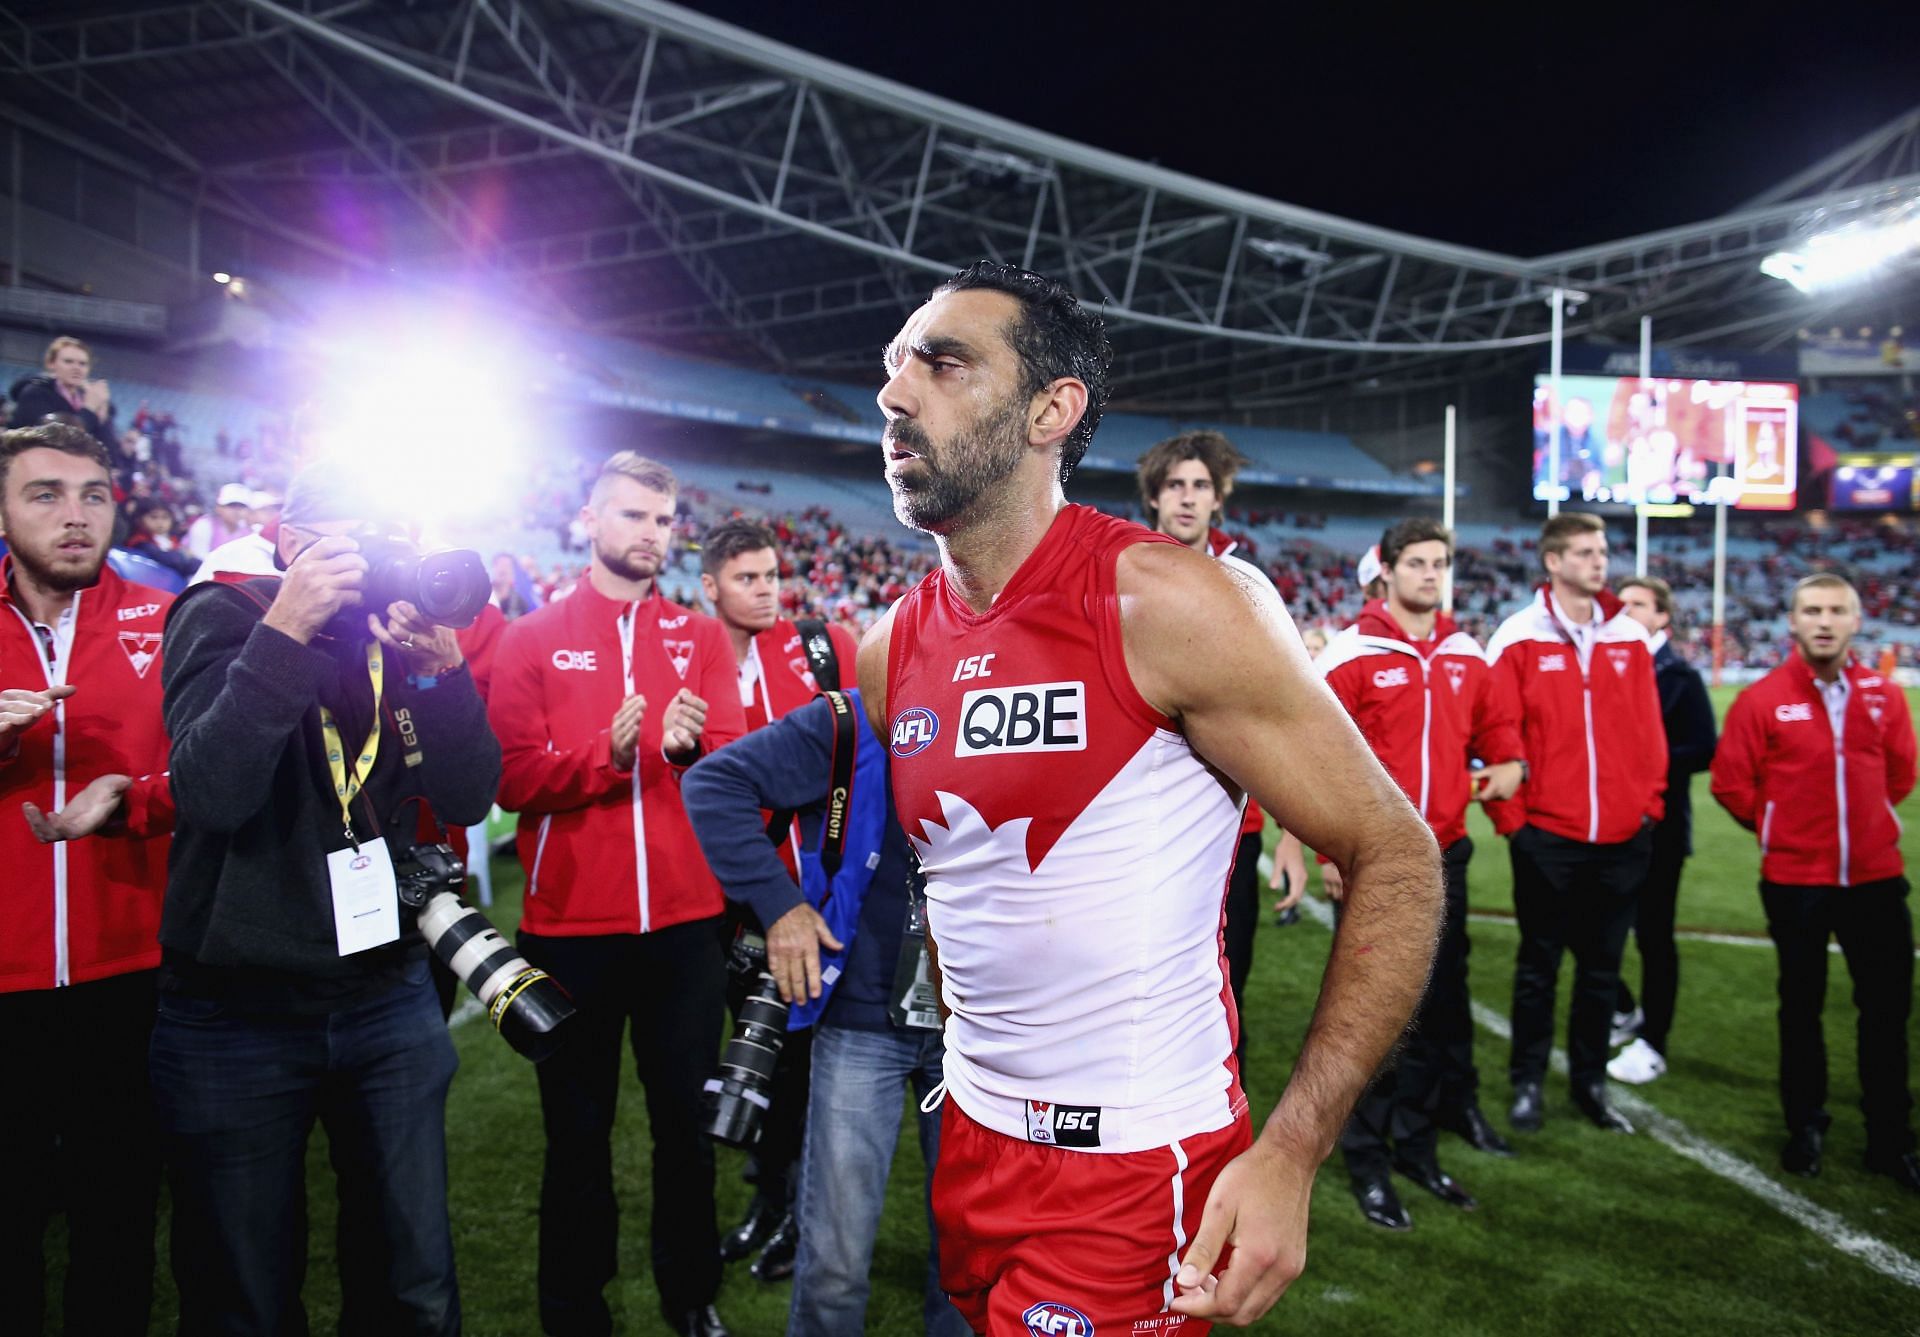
(305, 728)
(867, 1053)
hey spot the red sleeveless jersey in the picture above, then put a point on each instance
(1076, 852)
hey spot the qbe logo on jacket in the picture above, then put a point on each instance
(1034, 717)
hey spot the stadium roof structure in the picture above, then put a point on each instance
(637, 169)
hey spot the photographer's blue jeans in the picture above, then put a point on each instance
(237, 1094)
(853, 1121)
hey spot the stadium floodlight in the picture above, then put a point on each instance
(1847, 255)
(223, 277)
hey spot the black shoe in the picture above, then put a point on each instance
(763, 1218)
(1801, 1155)
(701, 1322)
(1903, 1169)
(1429, 1176)
(1593, 1104)
(775, 1262)
(1379, 1203)
(1472, 1125)
(1529, 1109)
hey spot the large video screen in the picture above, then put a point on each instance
(1873, 483)
(1663, 440)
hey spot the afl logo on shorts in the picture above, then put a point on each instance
(1050, 1318)
(914, 730)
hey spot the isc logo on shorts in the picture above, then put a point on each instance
(1050, 1318)
(1793, 710)
(1063, 1125)
(1037, 717)
(1393, 677)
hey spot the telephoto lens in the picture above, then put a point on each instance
(526, 1005)
(735, 1104)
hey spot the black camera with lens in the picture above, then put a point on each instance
(526, 1005)
(449, 586)
(736, 1099)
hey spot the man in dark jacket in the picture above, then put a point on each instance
(865, 1057)
(1688, 716)
(292, 986)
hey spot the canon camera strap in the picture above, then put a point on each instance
(833, 831)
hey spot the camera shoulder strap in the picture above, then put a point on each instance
(833, 832)
(821, 657)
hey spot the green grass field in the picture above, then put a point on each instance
(1583, 1232)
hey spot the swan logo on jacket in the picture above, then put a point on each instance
(141, 647)
(1619, 658)
(1456, 675)
(681, 653)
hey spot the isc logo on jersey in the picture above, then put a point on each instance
(1035, 717)
(1050, 1318)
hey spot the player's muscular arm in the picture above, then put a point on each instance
(1223, 660)
(871, 667)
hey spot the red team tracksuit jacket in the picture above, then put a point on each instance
(85, 909)
(606, 850)
(1424, 708)
(785, 681)
(1592, 734)
(1823, 807)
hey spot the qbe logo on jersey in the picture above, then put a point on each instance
(1050, 1318)
(1035, 717)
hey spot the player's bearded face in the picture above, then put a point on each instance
(942, 480)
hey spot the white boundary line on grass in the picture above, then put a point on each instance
(1683, 935)
(1670, 1132)
(468, 1009)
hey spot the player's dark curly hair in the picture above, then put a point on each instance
(1055, 337)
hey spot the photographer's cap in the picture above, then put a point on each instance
(234, 494)
(331, 491)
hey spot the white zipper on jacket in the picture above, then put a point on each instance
(766, 704)
(1840, 788)
(1766, 829)
(1426, 729)
(627, 620)
(57, 677)
(1582, 657)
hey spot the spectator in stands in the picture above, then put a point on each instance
(1814, 757)
(281, 1000)
(79, 726)
(779, 664)
(1687, 715)
(1576, 671)
(64, 391)
(152, 536)
(514, 592)
(601, 701)
(225, 523)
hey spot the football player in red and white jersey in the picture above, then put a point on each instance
(1076, 708)
(1184, 484)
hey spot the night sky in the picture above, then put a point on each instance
(1569, 125)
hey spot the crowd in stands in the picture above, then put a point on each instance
(1878, 418)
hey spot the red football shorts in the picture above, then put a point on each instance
(1039, 1241)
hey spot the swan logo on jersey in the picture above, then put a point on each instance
(914, 731)
(1035, 717)
(681, 653)
(1457, 675)
(1050, 1318)
(1618, 658)
(141, 647)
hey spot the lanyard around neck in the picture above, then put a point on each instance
(347, 781)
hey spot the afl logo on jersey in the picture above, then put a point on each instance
(914, 730)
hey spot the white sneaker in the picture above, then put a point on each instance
(1626, 1025)
(1637, 1064)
